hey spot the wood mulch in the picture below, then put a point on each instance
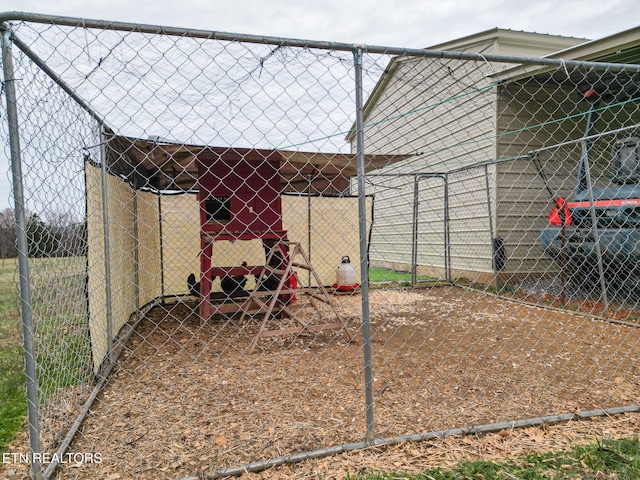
(186, 398)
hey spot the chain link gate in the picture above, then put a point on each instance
(184, 199)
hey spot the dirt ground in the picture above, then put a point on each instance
(187, 399)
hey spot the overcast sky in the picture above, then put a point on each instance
(411, 23)
(397, 23)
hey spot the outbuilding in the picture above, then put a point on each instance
(492, 145)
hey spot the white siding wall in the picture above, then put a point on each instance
(469, 224)
(469, 228)
(444, 113)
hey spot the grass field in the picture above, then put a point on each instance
(607, 459)
(13, 405)
(60, 319)
(377, 275)
(61, 340)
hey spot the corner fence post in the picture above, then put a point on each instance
(364, 260)
(26, 311)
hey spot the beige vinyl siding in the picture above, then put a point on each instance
(443, 112)
(523, 209)
(531, 118)
(470, 244)
(448, 115)
(524, 201)
(431, 224)
(392, 219)
(469, 224)
(430, 105)
(553, 116)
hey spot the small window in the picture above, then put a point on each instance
(218, 209)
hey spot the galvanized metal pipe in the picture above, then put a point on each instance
(364, 256)
(292, 42)
(447, 230)
(107, 247)
(418, 437)
(594, 225)
(416, 202)
(491, 232)
(162, 279)
(26, 312)
(309, 252)
(53, 75)
(447, 249)
(588, 137)
(414, 231)
(136, 247)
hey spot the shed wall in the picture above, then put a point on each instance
(452, 221)
(444, 112)
(532, 117)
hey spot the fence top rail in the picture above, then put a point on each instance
(292, 42)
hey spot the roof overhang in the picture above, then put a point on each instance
(621, 50)
(173, 167)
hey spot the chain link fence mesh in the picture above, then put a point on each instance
(193, 207)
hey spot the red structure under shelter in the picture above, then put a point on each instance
(239, 197)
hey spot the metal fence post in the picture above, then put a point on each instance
(162, 279)
(364, 260)
(447, 230)
(496, 280)
(414, 231)
(107, 249)
(594, 223)
(26, 311)
(136, 249)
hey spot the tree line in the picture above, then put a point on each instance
(56, 235)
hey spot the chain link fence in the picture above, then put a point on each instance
(237, 252)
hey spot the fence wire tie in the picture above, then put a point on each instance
(564, 66)
(493, 71)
